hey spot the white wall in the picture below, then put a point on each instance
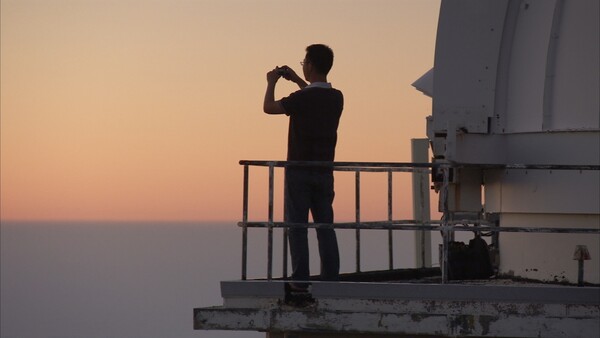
(518, 82)
(575, 96)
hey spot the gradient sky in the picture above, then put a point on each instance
(141, 109)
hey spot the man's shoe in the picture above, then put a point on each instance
(297, 287)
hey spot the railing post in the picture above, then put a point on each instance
(390, 218)
(270, 239)
(285, 253)
(357, 185)
(245, 222)
(285, 234)
(421, 207)
(445, 226)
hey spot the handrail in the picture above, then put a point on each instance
(428, 226)
(446, 225)
(367, 166)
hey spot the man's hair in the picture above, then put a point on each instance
(321, 57)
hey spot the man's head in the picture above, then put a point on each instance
(320, 58)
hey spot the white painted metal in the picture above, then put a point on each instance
(467, 47)
(425, 83)
(549, 257)
(575, 95)
(527, 71)
(544, 192)
(541, 105)
(565, 148)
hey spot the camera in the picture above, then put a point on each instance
(283, 71)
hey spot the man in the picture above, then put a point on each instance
(314, 113)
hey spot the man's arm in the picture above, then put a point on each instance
(270, 106)
(291, 75)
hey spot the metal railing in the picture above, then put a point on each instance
(447, 225)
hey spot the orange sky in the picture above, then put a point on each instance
(141, 109)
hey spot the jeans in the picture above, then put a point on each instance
(308, 190)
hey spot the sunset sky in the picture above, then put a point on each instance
(141, 109)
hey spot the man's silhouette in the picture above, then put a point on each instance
(314, 113)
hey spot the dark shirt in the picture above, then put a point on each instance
(314, 118)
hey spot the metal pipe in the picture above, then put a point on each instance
(244, 252)
(285, 252)
(365, 166)
(580, 272)
(285, 234)
(444, 263)
(423, 226)
(445, 232)
(357, 194)
(270, 239)
(420, 202)
(245, 225)
(390, 213)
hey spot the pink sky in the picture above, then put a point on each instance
(141, 110)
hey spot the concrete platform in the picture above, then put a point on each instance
(341, 309)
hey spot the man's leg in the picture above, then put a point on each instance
(296, 211)
(322, 211)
